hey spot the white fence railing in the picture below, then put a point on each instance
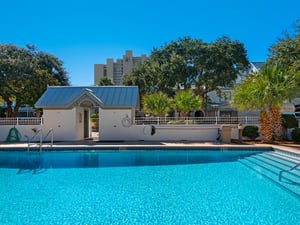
(21, 121)
(246, 120)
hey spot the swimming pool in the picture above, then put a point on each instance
(140, 187)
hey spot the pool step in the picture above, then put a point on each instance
(275, 167)
(290, 155)
(281, 158)
(280, 163)
(270, 164)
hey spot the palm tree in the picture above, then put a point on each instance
(157, 104)
(185, 101)
(279, 88)
(250, 95)
(266, 90)
(105, 81)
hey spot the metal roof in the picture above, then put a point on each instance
(103, 96)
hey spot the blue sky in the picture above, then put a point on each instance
(84, 32)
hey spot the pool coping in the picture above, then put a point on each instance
(155, 145)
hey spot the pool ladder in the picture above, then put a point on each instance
(41, 138)
(291, 169)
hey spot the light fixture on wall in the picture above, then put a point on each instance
(80, 117)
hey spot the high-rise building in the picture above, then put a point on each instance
(116, 70)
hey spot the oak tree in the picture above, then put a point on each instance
(25, 73)
(189, 62)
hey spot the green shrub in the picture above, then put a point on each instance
(251, 132)
(94, 115)
(296, 134)
(289, 121)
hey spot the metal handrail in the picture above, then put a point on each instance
(29, 140)
(40, 131)
(292, 168)
(51, 139)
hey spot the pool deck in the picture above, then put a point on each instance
(90, 144)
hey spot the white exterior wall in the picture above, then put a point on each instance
(162, 133)
(115, 131)
(110, 124)
(67, 125)
(114, 125)
(62, 122)
(113, 128)
(132, 133)
(177, 133)
(24, 130)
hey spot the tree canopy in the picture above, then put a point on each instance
(190, 62)
(278, 81)
(266, 91)
(157, 104)
(286, 51)
(25, 73)
(185, 101)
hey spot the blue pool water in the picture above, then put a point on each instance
(116, 188)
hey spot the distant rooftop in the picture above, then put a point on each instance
(257, 65)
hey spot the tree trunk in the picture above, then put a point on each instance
(275, 116)
(9, 107)
(16, 109)
(265, 127)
